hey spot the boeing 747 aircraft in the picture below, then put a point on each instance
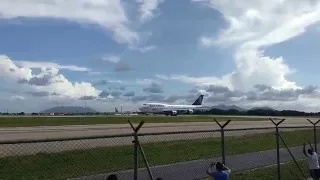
(167, 109)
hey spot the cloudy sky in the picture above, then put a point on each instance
(112, 53)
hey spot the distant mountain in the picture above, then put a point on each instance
(225, 107)
(69, 109)
(262, 108)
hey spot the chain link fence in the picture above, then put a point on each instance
(249, 152)
(65, 158)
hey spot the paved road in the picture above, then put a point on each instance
(196, 169)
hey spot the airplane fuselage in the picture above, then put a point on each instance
(170, 109)
(162, 108)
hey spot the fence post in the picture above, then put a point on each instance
(135, 150)
(222, 139)
(278, 146)
(294, 159)
(136, 146)
(314, 133)
(145, 161)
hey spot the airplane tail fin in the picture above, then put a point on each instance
(199, 100)
(116, 110)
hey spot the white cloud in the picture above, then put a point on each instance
(111, 58)
(117, 81)
(41, 65)
(147, 48)
(109, 14)
(206, 41)
(273, 21)
(62, 86)
(253, 25)
(16, 97)
(120, 66)
(144, 49)
(146, 9)
(9, 70)
(48, 80)
(153, 88)
(146, 81)
(97, 73)
(197, 81)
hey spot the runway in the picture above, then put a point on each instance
(50, 132)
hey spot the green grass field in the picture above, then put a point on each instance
(56, 121)
(101, 160)
(289, 171)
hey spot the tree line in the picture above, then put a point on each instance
(258, 112)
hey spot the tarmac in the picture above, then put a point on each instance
(69, 131)
(77, 131)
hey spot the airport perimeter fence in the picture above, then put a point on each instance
(251, 153)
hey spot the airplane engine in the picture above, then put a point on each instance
(174, 113)
(190, 111)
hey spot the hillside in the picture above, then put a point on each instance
(225, 107)
(262, 108)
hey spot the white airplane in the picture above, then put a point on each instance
(117, 112)
(168, 109)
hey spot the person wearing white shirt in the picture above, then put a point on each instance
(313, 161)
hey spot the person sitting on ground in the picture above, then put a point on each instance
(112, 177)
(222, 172)
(313, 162)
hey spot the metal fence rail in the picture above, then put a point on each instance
(170, 155)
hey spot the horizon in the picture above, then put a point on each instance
(126, 53)
(219, 106)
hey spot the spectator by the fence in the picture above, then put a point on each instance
(112, 177)
(222, 172)
(313, 162)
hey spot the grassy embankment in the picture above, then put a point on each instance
(100, 160)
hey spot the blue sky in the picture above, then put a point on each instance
(158, 50)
